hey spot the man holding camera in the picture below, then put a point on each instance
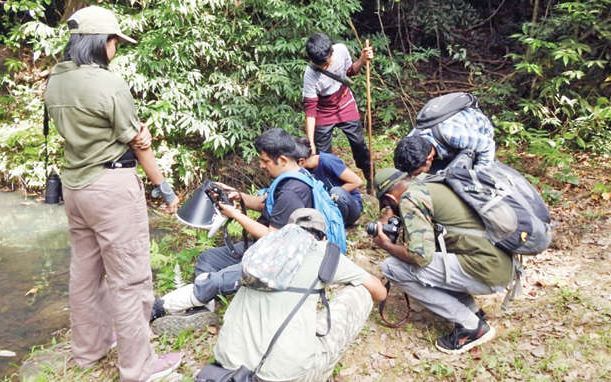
(443, 279)
(218, 270)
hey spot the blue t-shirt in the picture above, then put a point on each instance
(328, 171)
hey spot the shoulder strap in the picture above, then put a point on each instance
(270, 199)
(343, 80)
(331, 257)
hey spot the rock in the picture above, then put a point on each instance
(43, 361)
(171, 325)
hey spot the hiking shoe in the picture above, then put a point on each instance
(461, 340)
(195, 319)
(158, 310)
(164, 365)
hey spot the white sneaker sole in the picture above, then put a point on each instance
(483, 339)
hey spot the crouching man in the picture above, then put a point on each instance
(218, 270)
(255, 315)
(442, 281)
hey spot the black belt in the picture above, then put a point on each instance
(127, 163)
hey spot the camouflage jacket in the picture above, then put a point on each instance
(416, 210)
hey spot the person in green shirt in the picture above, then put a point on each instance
(110, 291)
(442, 280)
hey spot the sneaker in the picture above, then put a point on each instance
(164, 365)
(196, 318)
(461, 340)
(158, 310)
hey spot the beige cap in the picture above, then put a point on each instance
(308, 218)
(97, 20)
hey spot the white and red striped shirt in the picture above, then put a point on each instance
(326, 99)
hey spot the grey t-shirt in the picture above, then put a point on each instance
(253, 317)
(317, 84)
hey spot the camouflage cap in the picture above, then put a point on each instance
(308, 218)
(385, 179)
(96, 20)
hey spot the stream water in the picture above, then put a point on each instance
(34, 259)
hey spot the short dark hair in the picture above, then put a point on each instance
(276, 142)
(87, 49)
(303, 150)
(319, 47)
(411, 153)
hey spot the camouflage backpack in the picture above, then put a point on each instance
(273, 261)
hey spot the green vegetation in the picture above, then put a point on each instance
(209, 75)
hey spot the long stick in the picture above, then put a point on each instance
(368, 77)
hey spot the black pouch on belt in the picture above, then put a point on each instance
(126, 160)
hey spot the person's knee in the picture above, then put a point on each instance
(398, 271)
(208, 285)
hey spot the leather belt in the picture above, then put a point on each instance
(127, 163)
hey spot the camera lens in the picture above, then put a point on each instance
(372, 229)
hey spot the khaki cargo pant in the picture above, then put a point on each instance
(350, 308)
(110, 273)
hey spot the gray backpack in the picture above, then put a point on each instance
(440, 108)
(514, 214)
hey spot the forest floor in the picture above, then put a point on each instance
(558, 329)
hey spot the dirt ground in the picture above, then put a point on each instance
(558, 329)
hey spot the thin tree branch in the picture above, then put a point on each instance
(484, 21)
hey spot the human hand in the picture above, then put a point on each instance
(229, 210)
(143, 140)
(313, 148)
(381, 239)
(366, 54)
(172, 207)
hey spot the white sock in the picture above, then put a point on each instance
(180, 300)
(472, 322)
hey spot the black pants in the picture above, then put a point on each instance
(354, 132)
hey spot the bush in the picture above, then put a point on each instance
(562, 72)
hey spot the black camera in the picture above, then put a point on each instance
(391, 229)
(216, 193)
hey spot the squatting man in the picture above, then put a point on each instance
(443, 281)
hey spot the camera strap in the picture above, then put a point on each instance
(227, 239)
(382, 305)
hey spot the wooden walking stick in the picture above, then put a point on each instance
(371, 166)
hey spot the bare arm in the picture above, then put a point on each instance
(253, 202)
(396, 250)
(147, 160)
(310, 125)
(350, 179)
(375, 288)
(366, 56)
(253, 227)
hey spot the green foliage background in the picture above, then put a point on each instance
(209, 75)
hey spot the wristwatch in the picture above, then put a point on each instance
(165, 191)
